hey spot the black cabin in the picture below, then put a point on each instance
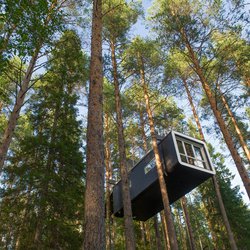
(186, 165)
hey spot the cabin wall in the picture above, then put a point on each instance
(142, 175)
(169, 155)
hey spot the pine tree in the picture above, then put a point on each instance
(237, 211)
(94, 211)
(123, 16)
(44, 177)
(181, 70)
(143, 56)
(34, 24)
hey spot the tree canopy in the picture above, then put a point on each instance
(87, 89)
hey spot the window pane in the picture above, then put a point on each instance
(189, 150)
(150, 166)
(198, 154)
(192, 153)
(191, 161)
(183, 158)
(199, 164)
(205, 165)
(180, 147)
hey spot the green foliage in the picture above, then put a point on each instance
(68, 61)
(207, 30)
(29, 24)
(44, 178)
(237, 211)
(118, 18)
(10, 79)
(109, 99)
(145, 49)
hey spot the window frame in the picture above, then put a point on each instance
(147, 169)
(193, 158)
(194, 143)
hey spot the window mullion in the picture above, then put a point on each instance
(195, 157)
(205, 159)
(183, 145)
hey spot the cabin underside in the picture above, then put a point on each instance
(149, 202)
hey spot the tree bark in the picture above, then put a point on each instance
(196, 117)
(216, 185)
(94, 211)
(218, 115)
(157, 234)
(108, 176)
(143, 234)
(236, 127)
(165, 230)
(1, 106)
(24, 218)
(187, 220)
(182, 231)
(159, 167)
(144, 138)
(38, 233)
(9, 131)
(224, 215)
(128, 219)
(148, 235)
(143, 134)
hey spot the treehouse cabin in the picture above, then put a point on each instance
(186, 164)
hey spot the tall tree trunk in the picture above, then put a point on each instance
(157, 234)
(165, 230)
(224, 215)
(149, 240)
(218, 115)
(190, 99)
(143, 234)
(144, 228)
(159, 167)
(182, 231)
(216, 185)
(201, 246)
(1, 106)
(128, 219)
(9, 131)
(23, 216)
(236, 127)
(108, 178)
(94, 211)
(187, 220)
(38, 232)
(210, 223)
(144, 138)
(143, 134)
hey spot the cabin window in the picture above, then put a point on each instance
(192, 153)
(149, 166)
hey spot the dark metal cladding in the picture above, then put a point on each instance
(186, 165)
